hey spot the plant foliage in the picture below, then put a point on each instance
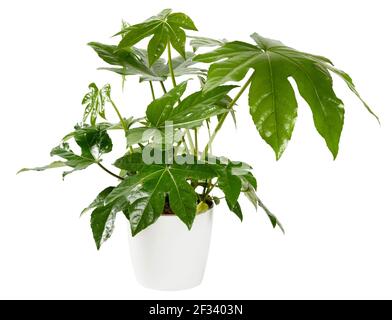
(164, 168)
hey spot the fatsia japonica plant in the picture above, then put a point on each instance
(165, 169)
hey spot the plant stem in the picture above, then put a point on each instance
(152, 90)
(163, 86)
(223, 118)
(108, 171)
(173, 77)
(209, 135)
(123, 123)
(185, 144)
(212, 186)
(169, 58)
(196, 143)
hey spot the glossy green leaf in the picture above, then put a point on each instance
(73, 160)
(54, 164)
(146, 204)
(182, 197)
(99, 201)
(271, 98)
(181, 20)
(203, 42)
(129, 60)
(130, 162)
(351, 86)
(198, 107)
(157, 44)
(166, 27)
(274, 220)
(248, 189)
(160, 109)
(126, 187)
(141, 135)
(230, 185)
(93, 142)
(159, 71)
(102, 221)
(236, 209)
(144, 189)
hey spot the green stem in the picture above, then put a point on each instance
(185, 144)
(152, 90)
(123, 123)
(108, 171)
(196, 143)
(169, 57)
(223, 118)
(209, 136)
(210, 188)
(173, 77)
(163, 86)
(189, 137)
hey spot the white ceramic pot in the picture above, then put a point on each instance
(167, 256)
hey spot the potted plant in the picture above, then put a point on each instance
(167, 182)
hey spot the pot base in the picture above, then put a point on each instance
(168, 256)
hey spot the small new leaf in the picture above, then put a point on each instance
(94, 102)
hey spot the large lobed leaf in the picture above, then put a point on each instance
(272, 101)
(146, 190)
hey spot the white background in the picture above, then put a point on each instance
(338, 214)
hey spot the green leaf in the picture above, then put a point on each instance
(94, 102)
(274, 220)
(157, 44)
(160, 109)
(131, 162)
(351, 86)
(129, 60)
(273, 106)
(182, 197)
(271, 98)
(230, 185)
(146, 204)
(248, 189)
(181, 20)
(159, 71)
(93, 142)
(203, 42)
(236, 209)
(126, 187)
(141, 135)
(177, 39)
(98, 201)
(166, 27)
(199, 106)
(135, 33)
(73, 160)
(102, 221)
(146, 190)
(54, 164)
